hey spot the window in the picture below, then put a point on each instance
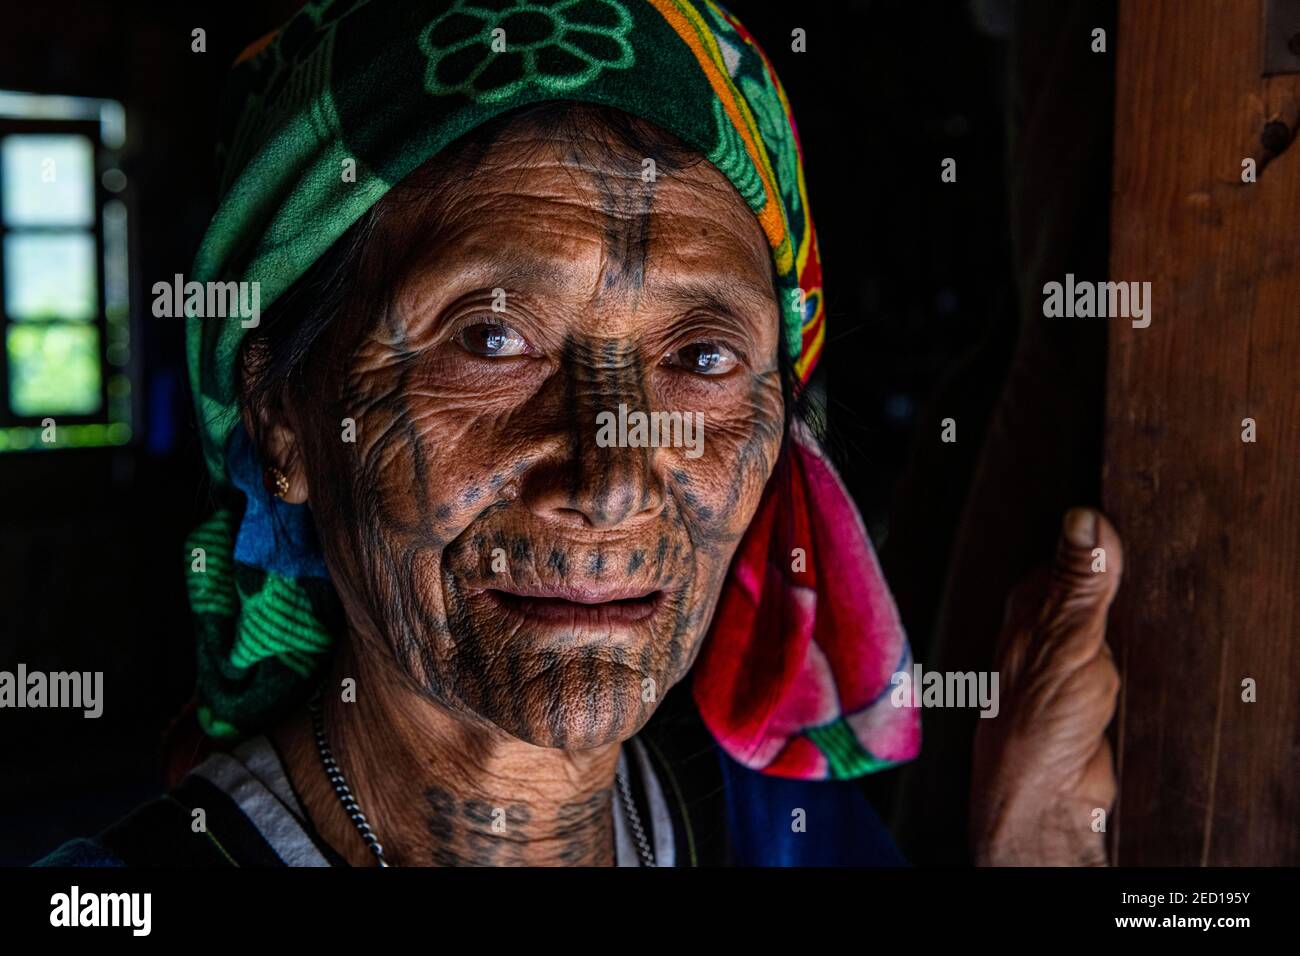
(65, 341)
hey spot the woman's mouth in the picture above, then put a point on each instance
(578, 608)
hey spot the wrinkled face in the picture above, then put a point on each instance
(500, 525)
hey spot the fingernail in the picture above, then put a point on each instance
(1080, 527)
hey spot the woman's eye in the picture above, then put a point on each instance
(491, 339)
(704, 358)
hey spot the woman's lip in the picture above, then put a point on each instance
(578, 594)
(579, 608)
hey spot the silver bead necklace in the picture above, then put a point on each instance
(350, 806)
(633, 818)
(339, 782)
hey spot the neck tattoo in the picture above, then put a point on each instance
(358, 817)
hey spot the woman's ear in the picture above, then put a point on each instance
(275, 430)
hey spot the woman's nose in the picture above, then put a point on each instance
(604, 479)
(603, 488)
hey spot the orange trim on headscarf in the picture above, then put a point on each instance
(695, 34)
(805, 242)
(807, 262)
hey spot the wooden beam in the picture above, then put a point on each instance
(1211, 523)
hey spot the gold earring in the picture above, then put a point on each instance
(277, 482)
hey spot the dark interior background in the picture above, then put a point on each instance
(924, 319)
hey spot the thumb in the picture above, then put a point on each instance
(1085, 575)
(1089, 555)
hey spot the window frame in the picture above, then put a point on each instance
(102, 121)
(56, 127)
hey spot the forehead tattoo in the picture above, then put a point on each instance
(627, 203)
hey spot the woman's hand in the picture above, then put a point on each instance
(1043, 768)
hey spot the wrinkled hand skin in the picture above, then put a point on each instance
(1044, 764)
(608, 279)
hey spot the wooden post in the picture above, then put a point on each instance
(1211, 523)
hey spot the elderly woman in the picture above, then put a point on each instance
(448, 612)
